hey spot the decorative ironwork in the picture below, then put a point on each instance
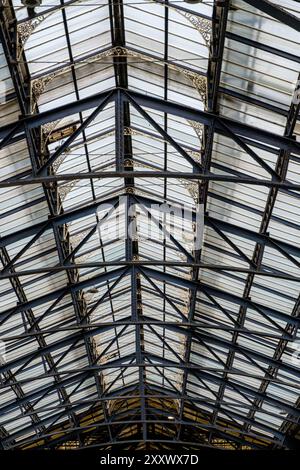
(142, 165)
(49, 127)
(195, 155)
(78, 237)
(198, 128)
(130, 190)
(65, 189)
(130, 131)
(192, 187)
(26, 28)
(202, 25)
(82, 258)
(188, 346)
(90, 294)
(60, 160)
(199, 82)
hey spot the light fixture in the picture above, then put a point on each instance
(193, 1)
(31, 3)
(171, 417)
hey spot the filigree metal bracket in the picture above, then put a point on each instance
(65, 189)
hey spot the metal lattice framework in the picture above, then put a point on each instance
(108, 110)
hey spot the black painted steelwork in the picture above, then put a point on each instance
(144, 412)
